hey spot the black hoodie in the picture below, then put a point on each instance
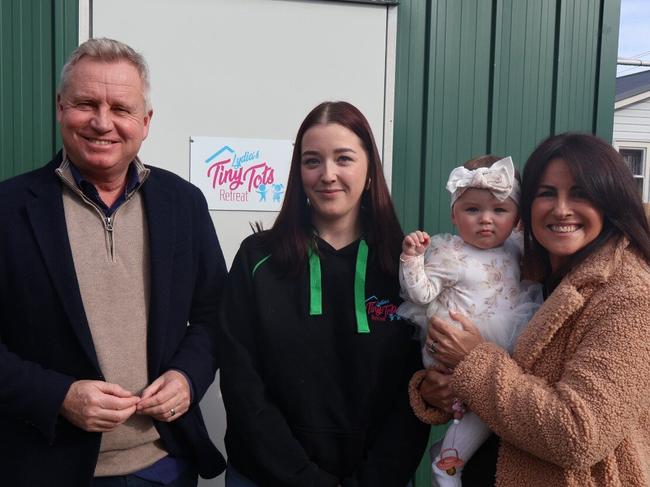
(311, 400)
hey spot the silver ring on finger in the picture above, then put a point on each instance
(172, 412)
(431, 348)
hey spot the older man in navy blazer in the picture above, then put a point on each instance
(110, 277)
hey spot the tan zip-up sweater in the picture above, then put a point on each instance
(111, 263)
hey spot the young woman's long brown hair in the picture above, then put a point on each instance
(292, 232)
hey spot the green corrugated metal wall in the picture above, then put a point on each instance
(36, 36)
(493, 76)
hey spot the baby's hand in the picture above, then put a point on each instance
(414, 244)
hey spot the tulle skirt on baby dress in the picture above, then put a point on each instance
(503, 329)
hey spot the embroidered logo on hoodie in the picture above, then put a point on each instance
(381, 309)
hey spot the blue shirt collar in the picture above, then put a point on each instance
(88, 189)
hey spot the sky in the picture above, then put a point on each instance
(634, 38)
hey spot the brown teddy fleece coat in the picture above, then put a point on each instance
(572, 406)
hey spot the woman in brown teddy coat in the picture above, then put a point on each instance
(572, 404)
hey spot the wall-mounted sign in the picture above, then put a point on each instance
(240, 174)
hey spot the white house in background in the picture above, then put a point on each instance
(632, 126)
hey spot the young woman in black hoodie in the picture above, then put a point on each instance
(315, 361)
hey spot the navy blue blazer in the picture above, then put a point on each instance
(45, 341)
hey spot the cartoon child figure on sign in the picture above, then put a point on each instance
(262, 190)
(277, 191)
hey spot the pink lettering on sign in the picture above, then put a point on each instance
(252, 176)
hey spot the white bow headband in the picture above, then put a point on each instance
(499, 179)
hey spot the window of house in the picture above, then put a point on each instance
(636, 158)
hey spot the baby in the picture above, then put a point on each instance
(476, 273)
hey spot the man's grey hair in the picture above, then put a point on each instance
(110, 51)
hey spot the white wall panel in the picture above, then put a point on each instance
(247, 68)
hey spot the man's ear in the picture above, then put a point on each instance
(147, 124)
(59, 107)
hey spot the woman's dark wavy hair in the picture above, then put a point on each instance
(292, 233)
(601, 173)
